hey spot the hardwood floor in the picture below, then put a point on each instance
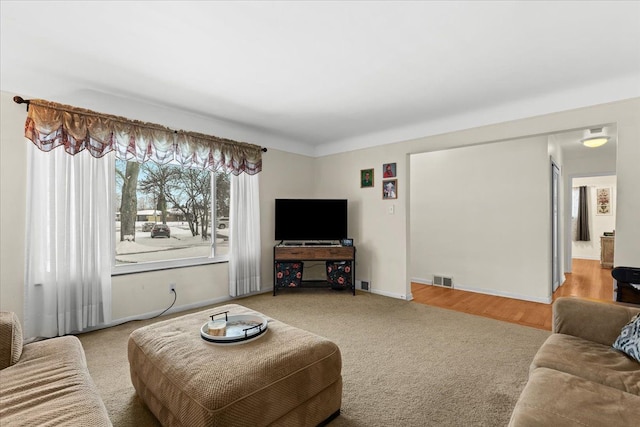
(587, 280)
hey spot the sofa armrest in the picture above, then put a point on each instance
(597, 321)
(10, 339)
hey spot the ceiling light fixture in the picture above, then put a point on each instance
(597, 141)
(595, 137)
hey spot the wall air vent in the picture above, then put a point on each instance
(444, 281)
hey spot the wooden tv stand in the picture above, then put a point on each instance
(286, 252)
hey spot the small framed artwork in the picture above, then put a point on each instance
(603, 201)
(388, 170)
(347, 242)
(366, 178)
(390, 189)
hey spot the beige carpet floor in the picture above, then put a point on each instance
(404, 363)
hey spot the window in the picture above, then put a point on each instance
(164, 216)
(575, 201)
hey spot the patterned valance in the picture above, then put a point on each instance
(50, 125)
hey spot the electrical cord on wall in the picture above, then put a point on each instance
(175, 297)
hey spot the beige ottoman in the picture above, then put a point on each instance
(286, 377)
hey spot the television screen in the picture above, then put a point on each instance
(311, 219)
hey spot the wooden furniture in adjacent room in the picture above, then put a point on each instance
(627, 284)
(606, 251)
(304, 252)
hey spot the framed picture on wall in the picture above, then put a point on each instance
(603, 201)
(366, 178)
(389, 170)
(390, 189)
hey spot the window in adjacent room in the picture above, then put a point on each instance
(165, 216)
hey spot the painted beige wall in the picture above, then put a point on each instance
(383, 239)
(13, 177)
(379, 236)
(627, 246)
(480, 215)
(284, 175)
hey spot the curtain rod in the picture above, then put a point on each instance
(20, 100)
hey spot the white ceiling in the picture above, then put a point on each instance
(322, 77)
(570, 142)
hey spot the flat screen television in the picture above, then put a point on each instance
(311, 219)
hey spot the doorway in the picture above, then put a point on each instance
(576, 161)
(601, 219)
(555, 227)
(468, 206)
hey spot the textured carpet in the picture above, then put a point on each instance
(404, 363)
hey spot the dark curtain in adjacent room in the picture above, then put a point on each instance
(582, 230)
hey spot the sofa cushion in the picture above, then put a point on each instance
(10, 339)
(51, 386)
(593, 320)
(554, 398)
(629, 339)
(590, 361)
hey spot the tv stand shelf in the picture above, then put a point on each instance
(314, 244)
(315, 253)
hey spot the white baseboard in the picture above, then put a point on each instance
(392, 295)
(591, 258)
(488, 291)
(493, 292)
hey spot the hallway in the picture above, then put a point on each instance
(587, 280)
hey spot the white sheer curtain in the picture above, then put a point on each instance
(244, 235)
(69, 242)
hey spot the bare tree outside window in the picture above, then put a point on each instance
(188, 201)
(156, 182)
(129, 201)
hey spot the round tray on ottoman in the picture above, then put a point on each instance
(240, 329)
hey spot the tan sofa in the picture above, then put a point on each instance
(45, 383)
(577, 378)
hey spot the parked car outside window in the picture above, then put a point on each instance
(160, 230)
(147, 226)
(223, 222)
(206, 202)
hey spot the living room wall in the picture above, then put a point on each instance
(13, 175)
(379, 234)
(381, 237)
(480, 215)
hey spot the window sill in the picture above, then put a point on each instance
(123, 269)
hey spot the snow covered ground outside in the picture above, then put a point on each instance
(180, 245)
